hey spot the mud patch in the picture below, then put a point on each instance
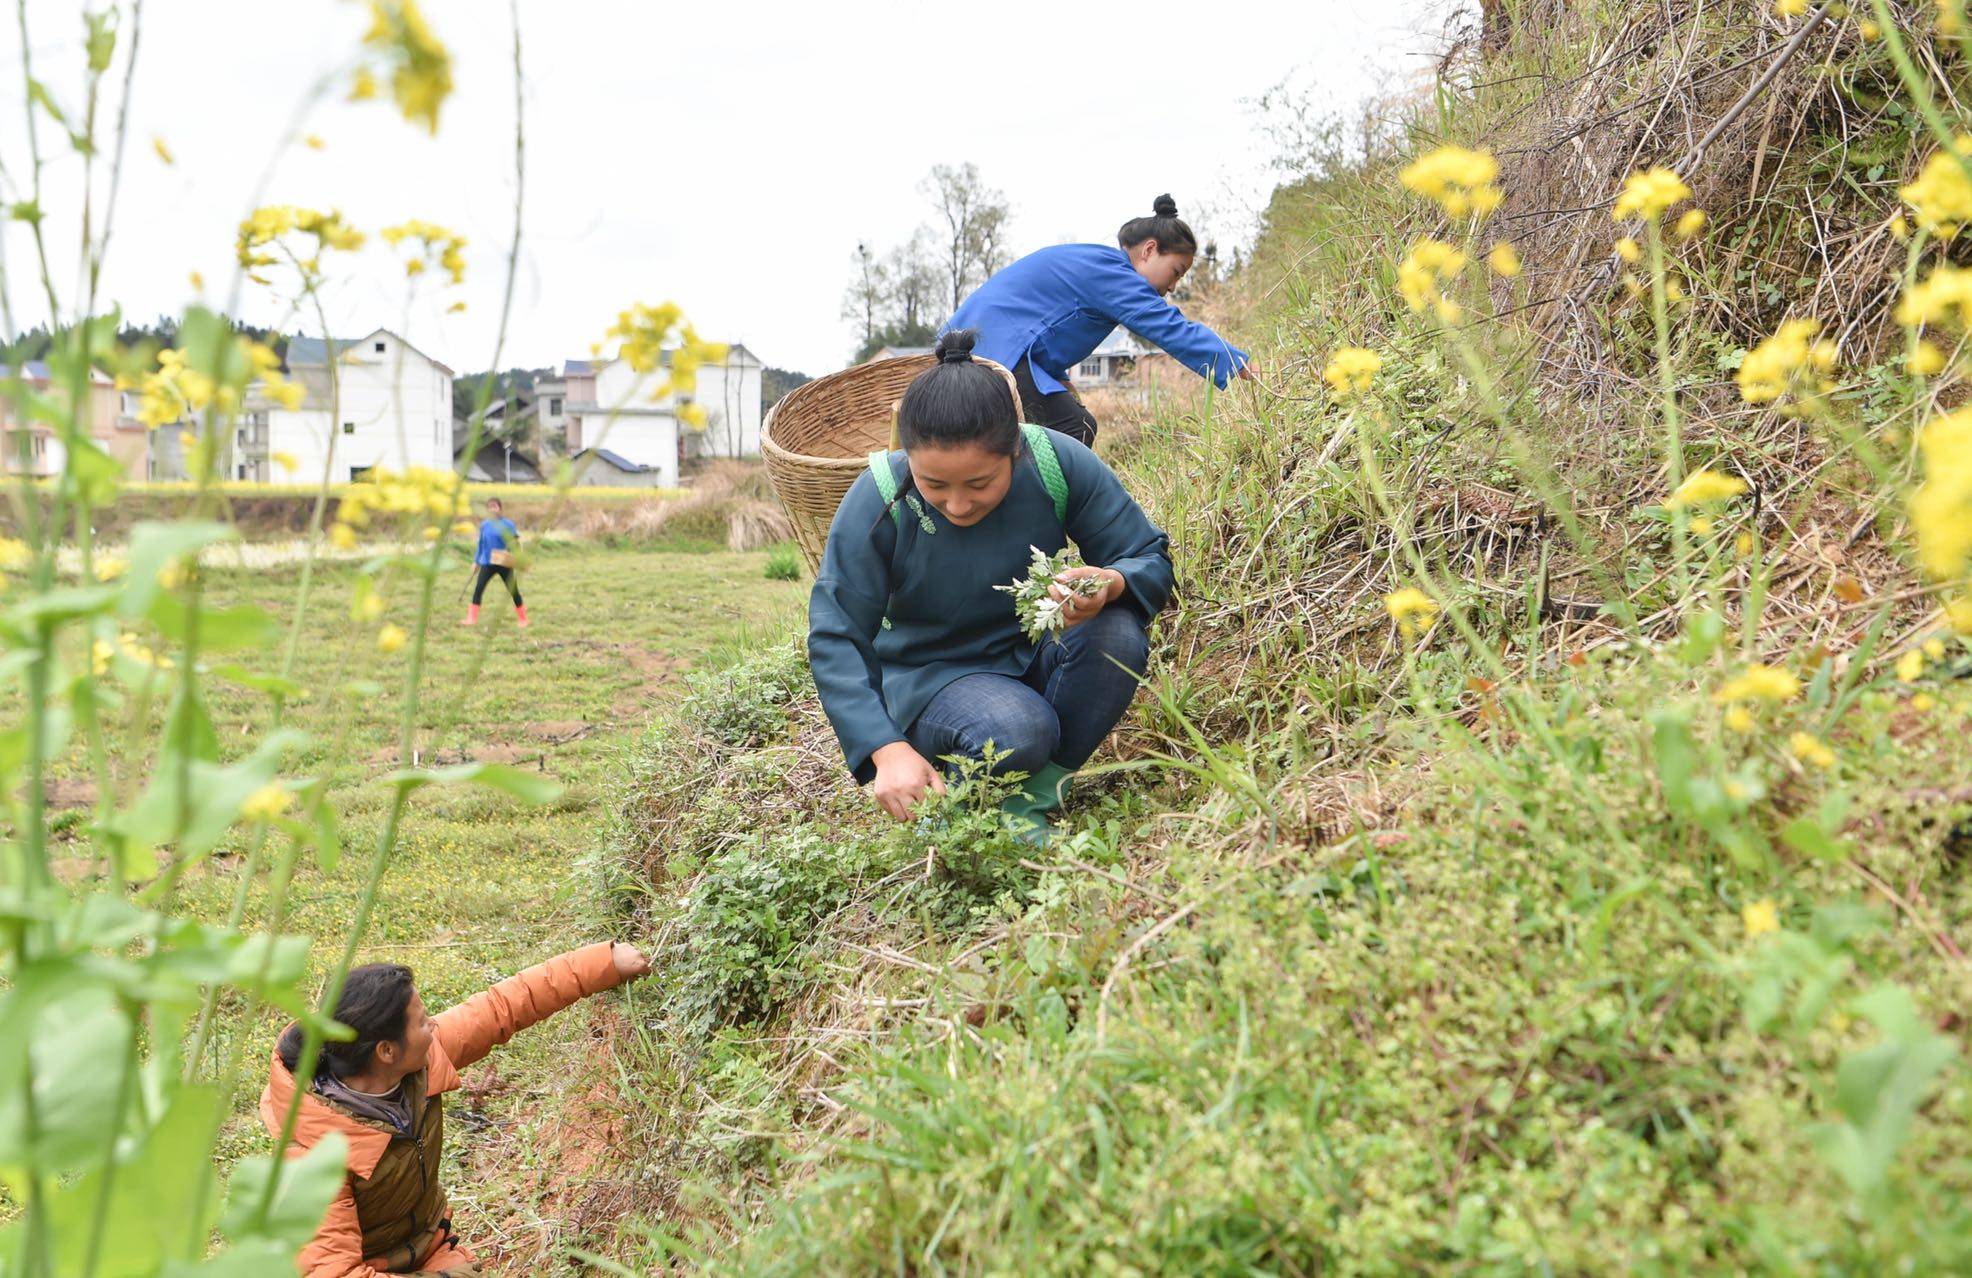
(69, 792)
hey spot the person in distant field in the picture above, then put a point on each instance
(498, 536)
(384, 1092)
(918, 658)
(1044, 314)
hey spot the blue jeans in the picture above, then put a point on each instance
(1058, 711)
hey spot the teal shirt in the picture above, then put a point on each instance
(936, 584)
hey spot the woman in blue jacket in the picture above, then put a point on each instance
(1042, 316)
(918, 658)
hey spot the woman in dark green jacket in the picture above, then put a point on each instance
(918, 658)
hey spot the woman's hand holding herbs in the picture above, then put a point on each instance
(1081, 596)
(903, 778)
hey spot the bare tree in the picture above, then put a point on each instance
(868, 291)
(912, 281)
(975, 217)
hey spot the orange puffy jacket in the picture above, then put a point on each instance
(390, 1215)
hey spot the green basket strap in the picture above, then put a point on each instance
(1050, 467)
(886, 484)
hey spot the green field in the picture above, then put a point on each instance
(479, 884)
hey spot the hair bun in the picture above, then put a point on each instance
(956, 347)
(1164, 206)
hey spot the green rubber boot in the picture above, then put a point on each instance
(1027, 808)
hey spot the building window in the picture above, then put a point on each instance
(349, 428)
(379, 348)
(554, 406)
(1089, 368)
(357, 474)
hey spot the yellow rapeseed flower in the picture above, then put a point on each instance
(362, 85)
(1869, 31)
(1504, 261)
(110, 567)
(1941, 507)
(1691, 223)
(1743, 544)
(1923, 701)
(1958, 612)
(1629, 250)
(1795, 360)
(1759, 683)
(1941, 197)
(1790, 8)
(1459, 180)
(1424, 272)
(434, 243)
(1705, 488)
(286, 461)
(266, 803)
(1650, 194)
(1701, 524)
(1411, 609)
(1739, 719)
(1760, 917)
(1351, 371)
(1910, 667)
(1811, 750)
(314, 142)
(342, 536)
(370, 607)
(14, 554)
(420, 66)
(392, 638)
(1943, 297)
(1927, 360)
(163, 151)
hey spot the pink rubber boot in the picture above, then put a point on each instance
(472, 615)
(520, 611)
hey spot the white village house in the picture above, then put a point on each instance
(619, 435)
(393, 408)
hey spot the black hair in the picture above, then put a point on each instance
(1163, 225)
(955, 402)
(495, 501)
(375, 1002)
(958, 401)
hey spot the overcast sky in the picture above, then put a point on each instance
(725, 156)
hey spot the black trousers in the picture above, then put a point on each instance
(1059, 411)
(488, 572)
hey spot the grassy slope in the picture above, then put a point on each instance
(480, 885)
(1410, 960)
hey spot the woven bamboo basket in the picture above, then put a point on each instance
(820, 437)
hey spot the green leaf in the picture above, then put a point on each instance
(273, 685)
(90, 474)
(197, 815)
(528, 787)
(154, 545)
(219, 629)
(162, 1195)
(1676, 759)
(101, 41)
(51, 608)
(188, 729)
(304, 1188)
(71, 1042)
(1879, 1089)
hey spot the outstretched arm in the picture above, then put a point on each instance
(1128, 298)
(486, 1020)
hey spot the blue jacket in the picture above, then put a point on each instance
(899, 612)
(495, 534)
(1056, 305)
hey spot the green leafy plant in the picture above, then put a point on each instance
(1034, 603)
(783, 564)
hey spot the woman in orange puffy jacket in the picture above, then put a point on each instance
(384, 1092)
